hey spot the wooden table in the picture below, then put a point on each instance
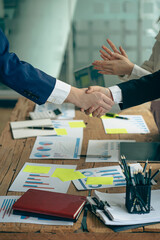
(14, 153)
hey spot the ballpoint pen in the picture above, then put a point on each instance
(42, 128)
(115, 116)
(95, 156)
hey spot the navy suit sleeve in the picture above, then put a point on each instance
(135, 92)
(22, 76)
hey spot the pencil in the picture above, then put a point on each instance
(155, 174)
(144, 169)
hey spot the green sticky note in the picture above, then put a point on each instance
(61, 131)
(116, 130)
(67, 174)
(36, 169)
(99, 180)
(77, 124)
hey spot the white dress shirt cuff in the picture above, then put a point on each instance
(138, 72)
(116, 94)
(60, 92)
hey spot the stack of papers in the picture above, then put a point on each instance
(116, 214)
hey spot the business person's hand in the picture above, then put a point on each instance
(107, 53)
(119, 66)
(99, 111)
(90, 102)
(115, 63)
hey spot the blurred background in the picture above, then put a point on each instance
(61, 36)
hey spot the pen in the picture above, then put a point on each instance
(115, 116)
(95, 156)
(42, 128)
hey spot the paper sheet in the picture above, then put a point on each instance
(104, 148)
(20, 130)
(38, 180)
(62, 147)
(113, 171)
(65, 127)
(6, 214)
(135, 124)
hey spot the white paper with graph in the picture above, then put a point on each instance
(113, 171)
(135, 124)
(103, 148)
(6, 214)
(59, 147)
(39, 176)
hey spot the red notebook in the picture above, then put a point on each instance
(49, 204)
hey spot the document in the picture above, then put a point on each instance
(113, 171)
(72, 128)
(6, 214)
(104, 148)
(135, 124)
(39, 176)
(32, 128)
(56, 147)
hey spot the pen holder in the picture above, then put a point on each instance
(138, 198)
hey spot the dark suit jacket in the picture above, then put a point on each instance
(135, 92)
(22, 76)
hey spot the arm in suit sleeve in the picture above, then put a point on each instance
(135, 92)
(22, 76)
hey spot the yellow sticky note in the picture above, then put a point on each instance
(61, 131)
(62, 171)
(99, 180)
(36, 169)
(77, 124)
(116, 130)
(67, 174)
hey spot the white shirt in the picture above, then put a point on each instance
(60, 92)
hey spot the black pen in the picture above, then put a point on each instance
(95, 156)
(42, 128)
(115, 116)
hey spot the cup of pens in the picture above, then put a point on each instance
(138, 189)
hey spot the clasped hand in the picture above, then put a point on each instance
(98, 101)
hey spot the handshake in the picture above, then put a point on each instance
(95, 99)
